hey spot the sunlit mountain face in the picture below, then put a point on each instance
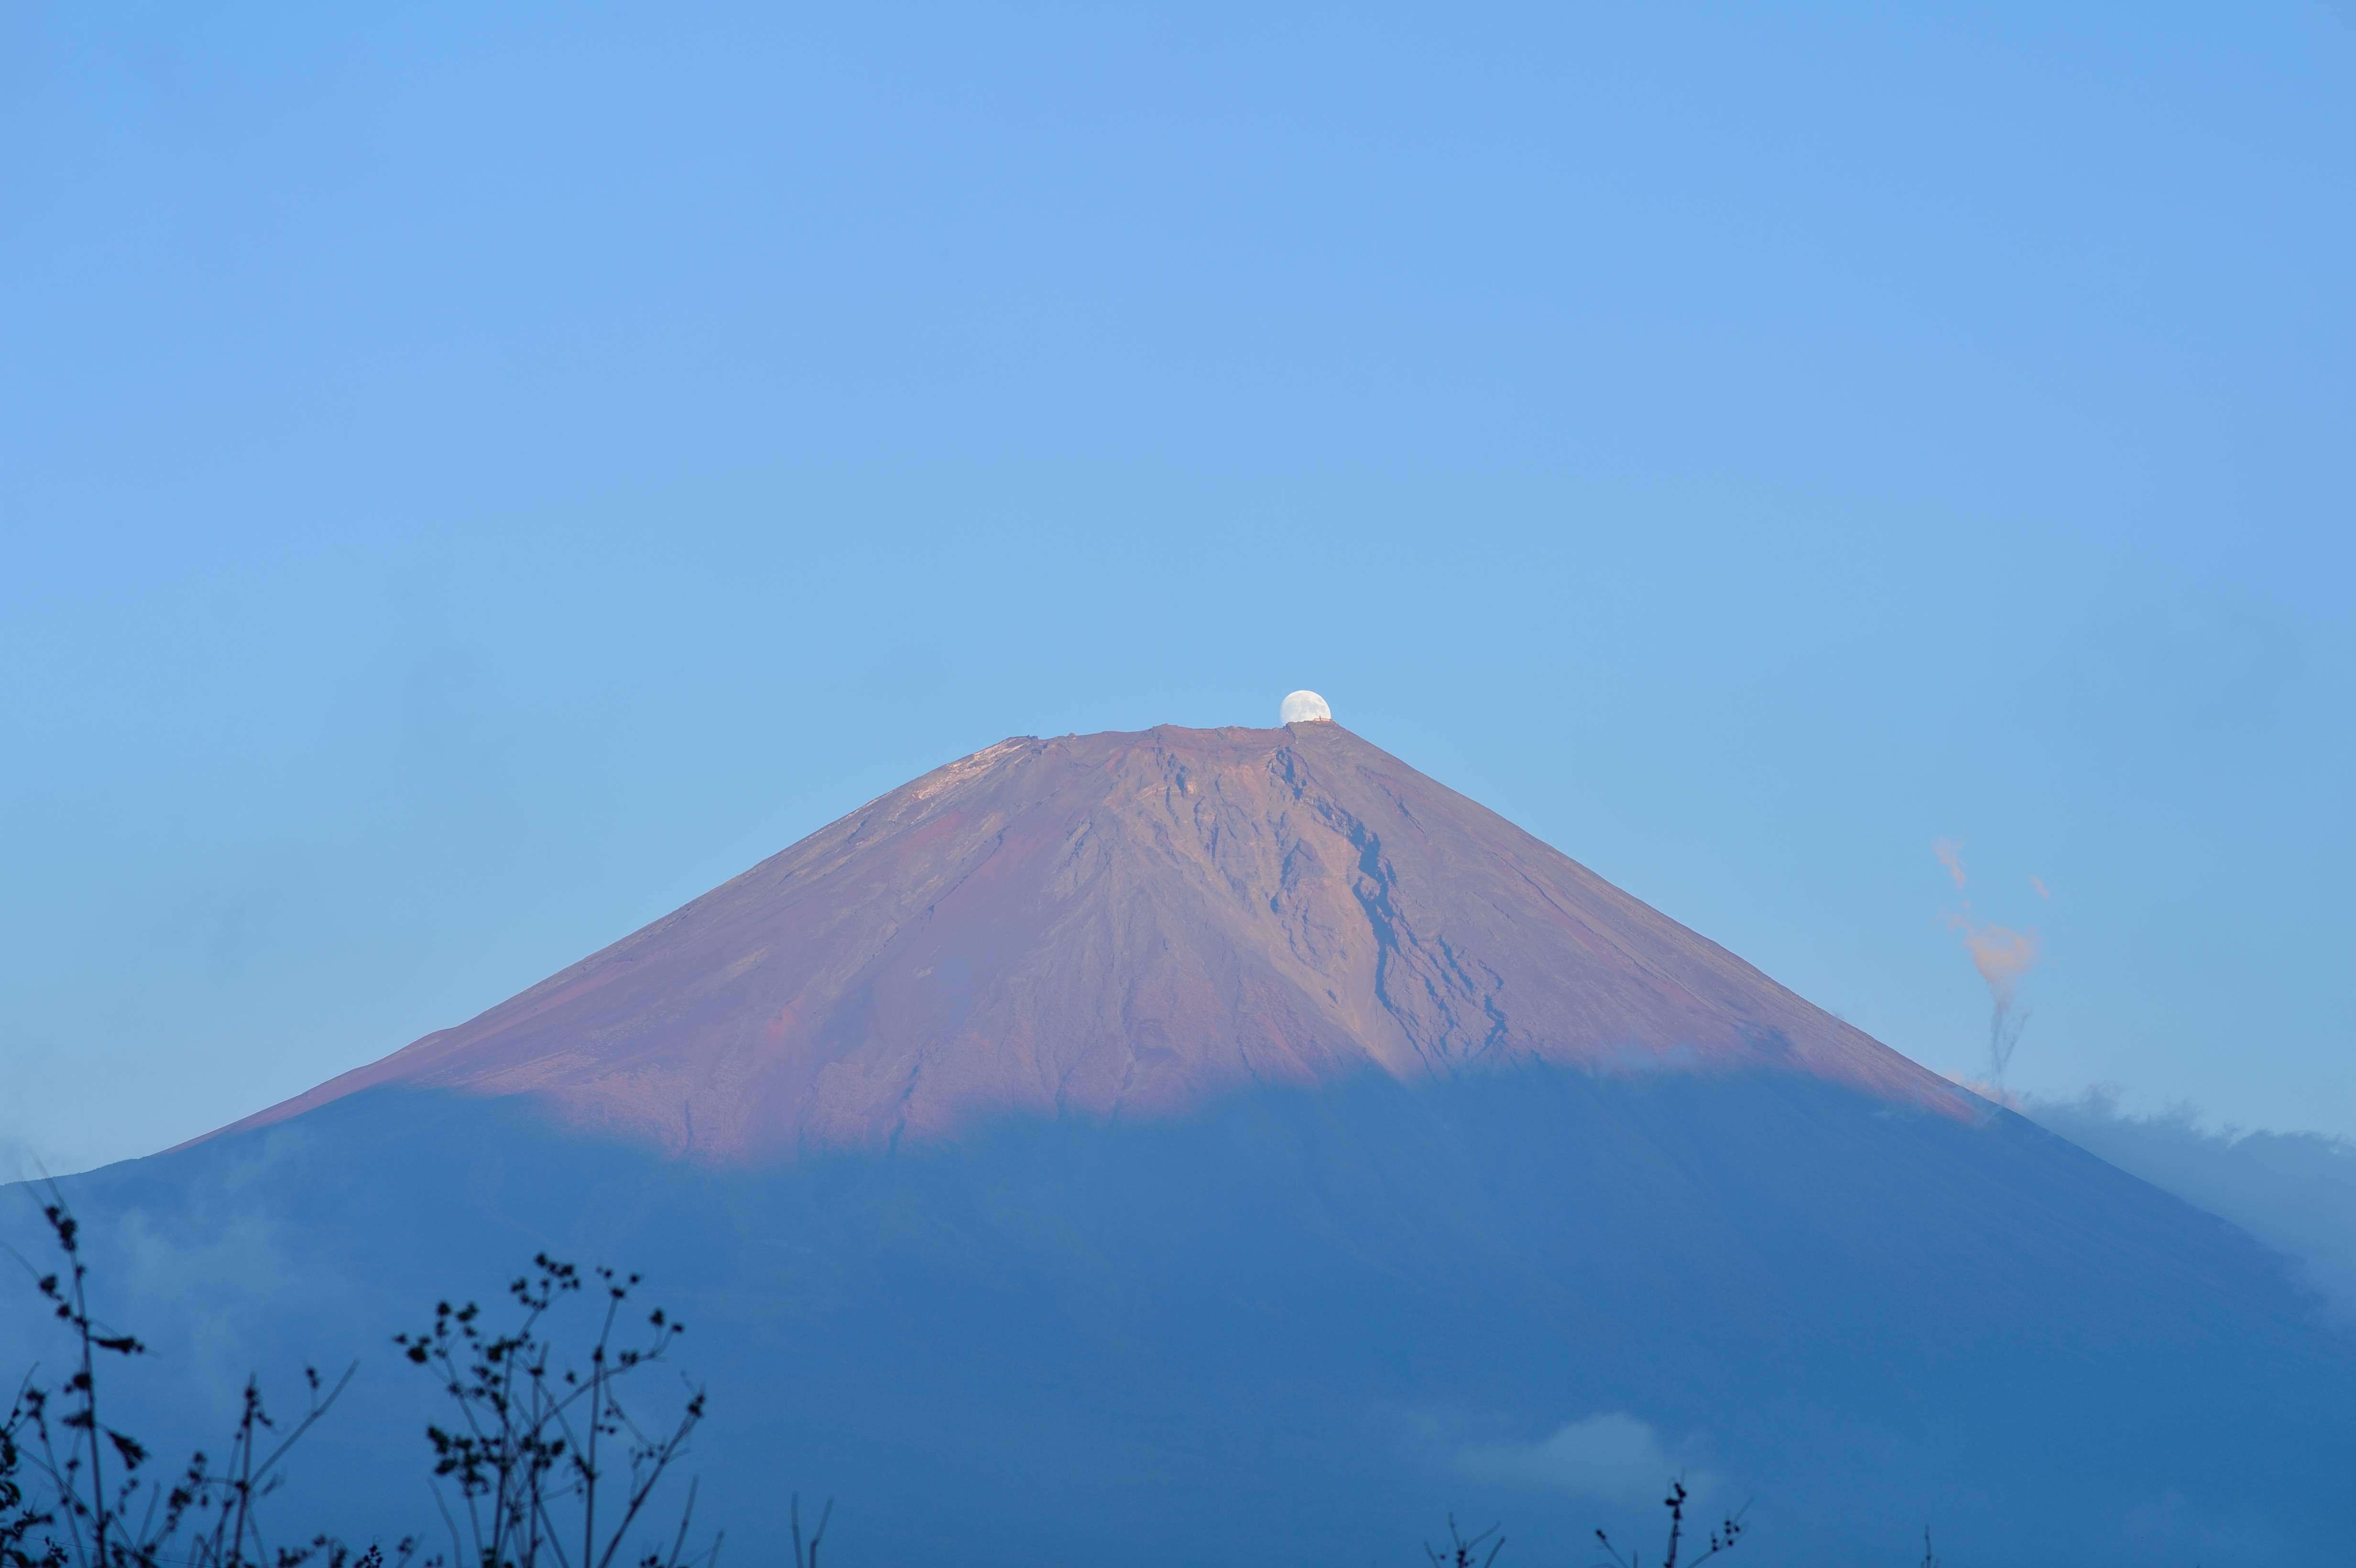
(1167, 1145)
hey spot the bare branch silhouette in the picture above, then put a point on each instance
(547, 1466)
(1460, 1552)
(1722, 1538)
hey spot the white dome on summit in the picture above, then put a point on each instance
(1305, 708)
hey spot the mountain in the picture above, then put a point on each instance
(1122, 925)
(1163, 1145)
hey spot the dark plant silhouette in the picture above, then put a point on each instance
(1460, 1552)
(19, 1515)
(549, 1468)
(90, 1502)
(1722, 1538)
(808, 1557)
(537, 1450)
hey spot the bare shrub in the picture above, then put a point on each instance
(1722, 1538)
(541, 1463)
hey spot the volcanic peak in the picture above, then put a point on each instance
(1117, 925)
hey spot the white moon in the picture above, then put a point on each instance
(1305, 708)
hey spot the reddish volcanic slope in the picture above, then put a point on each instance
(1120, 926)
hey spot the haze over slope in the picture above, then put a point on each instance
(1117, 924)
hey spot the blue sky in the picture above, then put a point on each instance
(471, 483)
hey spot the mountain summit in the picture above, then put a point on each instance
(1122, 925)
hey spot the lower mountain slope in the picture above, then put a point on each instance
(1314, 1319)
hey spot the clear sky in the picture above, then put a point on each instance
(468, 484)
